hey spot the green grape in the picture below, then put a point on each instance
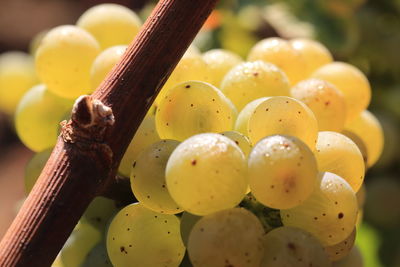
(279, 52)
(63, 60)
(353, 259)
(103, 64)
(34, 168)
(290, 246)
(329, 213)
(283, 115)
(37, 117)
(351, 82)
(251, 80)
(241, 140)
(207, 173)
(314, 53)
(17, 75)
(140, 237)
(341, 249)
(188, 220)
(148, 177)
(282, 171)
(193, 107)
(220, 61)
(99, 212)
(367, 127)
(110, 24)
(82, 239)
(231, 237)
(326, 102)
(242, 121)
(336, 153)
(97, 257)
(145, 135)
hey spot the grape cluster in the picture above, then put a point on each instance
(256, 162)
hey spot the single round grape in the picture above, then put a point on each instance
(138, 236)
(220, 61)
(17, 75)
(351, 82)
(341, 249)
(326, 102)
(145, 135)
(99, 212)
(283, 115)
(34, 168)
(148, 177)
(103, 64)
(251, 80)
(359, 142)
(313, 53)
(188, 220)
(282, 171)
(207, 173)
(97, 257)
(336, 153)
(353, 259)
(280, 53)
(231, 237)
(242, 121)
(290, 246)
(37, 118)
(110, 24)
(368, 128)
(241, 140)
(191, 108)
(329, 213)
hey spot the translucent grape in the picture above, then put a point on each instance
(140, 237)
(17, 75)
(63, 60)
(289, 246)
(148, 177)
(282, 171)
(359, 142)
(99, 212)
(193, 107)
(329, 213)
(242, 121)
(279, 52)
(145, 135)
(35, 41)
(368, 128)
(38, 116)
(251, 80)
(34, 168)
(188, 220)
(207, 173)
(342, 249)
(326, 102)
(220, 61)
(110, 24)
(313, 53)
(230, 237)
(97, 257)
(241, 140)
(103, 64)
(351, 82)
(336, 153)
(353, 259)
(283, 115)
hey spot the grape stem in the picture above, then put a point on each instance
(84, 161)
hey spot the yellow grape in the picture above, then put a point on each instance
(17, 75)
(314, 53)
(341, 249)
(283, 115)
(110, 24)
(148, 177)
(367, 127)
(34, 169)
(282, 171)
(251, 80)
(103, 64)
(361, 196)
(145, 135)
(359, 142)
(326, 102)
(351, 82)
(99, 212)
(353, 259)
(38, 116)
(220, 61)
(329, 213)
(241, 140)
(338, 154)
(63, 60)
(188, 220)
(242, 121)
(207, 173)
(35, 41)
(193, 107)
(280, 53)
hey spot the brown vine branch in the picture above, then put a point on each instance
(84, 161)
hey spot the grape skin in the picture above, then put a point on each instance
(242, 121)
(241, 140)
(342, 249)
